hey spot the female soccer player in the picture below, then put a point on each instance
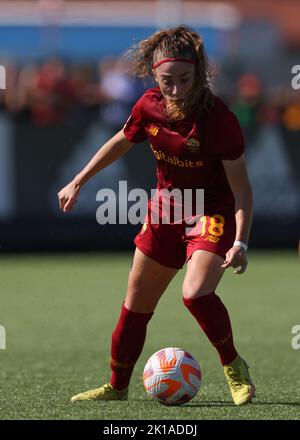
(197, 143)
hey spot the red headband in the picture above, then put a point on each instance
(166, 60)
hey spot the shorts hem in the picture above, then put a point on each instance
(213, 251)
(158, 260)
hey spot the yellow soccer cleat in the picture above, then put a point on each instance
(239, 381)
(106, 392)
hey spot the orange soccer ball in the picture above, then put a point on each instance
(172, 376)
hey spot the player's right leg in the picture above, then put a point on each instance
(147, 281)
(206, 252)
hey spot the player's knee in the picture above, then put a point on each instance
(139, 300)
(192, 291)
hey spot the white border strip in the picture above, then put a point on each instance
(115, 13)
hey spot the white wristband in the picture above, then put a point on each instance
(241, 244)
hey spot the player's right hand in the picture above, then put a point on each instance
(68, 195)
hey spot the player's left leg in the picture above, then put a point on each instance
(204, 273)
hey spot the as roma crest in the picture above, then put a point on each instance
(193, 145)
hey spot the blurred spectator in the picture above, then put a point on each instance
(119, 92)
(53, 93)
(291, 116)
(247, 104)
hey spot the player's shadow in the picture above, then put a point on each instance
(199, 404)
(208, 404)
(219, 403)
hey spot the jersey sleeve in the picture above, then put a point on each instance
(234, 144)
(134, 129)
(228, 139)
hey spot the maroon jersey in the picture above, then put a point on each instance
(189, 153)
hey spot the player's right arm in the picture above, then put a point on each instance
(108, 153)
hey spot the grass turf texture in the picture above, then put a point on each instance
(59, 313)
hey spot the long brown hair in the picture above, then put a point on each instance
(180, 41)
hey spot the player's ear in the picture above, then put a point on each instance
(154, 75)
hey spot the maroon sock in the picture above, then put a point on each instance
(127, 343)
(213, 318)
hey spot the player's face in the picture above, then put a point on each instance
(175, 79)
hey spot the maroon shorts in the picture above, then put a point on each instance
(173, 244)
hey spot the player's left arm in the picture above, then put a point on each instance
(236, 172)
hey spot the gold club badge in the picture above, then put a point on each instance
(193, 145)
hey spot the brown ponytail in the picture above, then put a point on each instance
(180, 41)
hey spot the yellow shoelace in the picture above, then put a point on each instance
(234, 378)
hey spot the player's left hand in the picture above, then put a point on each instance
(236, 257)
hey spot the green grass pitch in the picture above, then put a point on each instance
(59, 312)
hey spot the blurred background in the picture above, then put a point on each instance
(66, 94)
